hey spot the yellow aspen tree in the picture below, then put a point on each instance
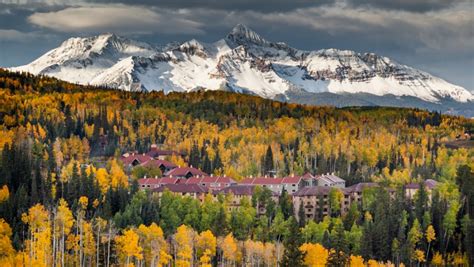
(99, 224)
(437, 259)
(63, 222)
(128, 247)
(229, 249)
(184, 246)
(206, 241)
(269, 254)
(7, 253)
(4, 194)
(430, 237)
(102, 179)
(419, 256)
(315, 254)
(356, 261)
(39, 244)
(373, 263)
(118, 178)
(154, 245)
(205, 259)
(88, 243)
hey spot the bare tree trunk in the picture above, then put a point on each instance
(97, 247)
(108, 245)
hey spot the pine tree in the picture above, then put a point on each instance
(339, 252)
(301, 215)
(293, 256)
(268, 166)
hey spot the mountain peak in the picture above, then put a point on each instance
(242, 35)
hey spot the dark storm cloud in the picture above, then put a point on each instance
(256, 5)
(408, 5)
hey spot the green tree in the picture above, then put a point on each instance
(293, 256)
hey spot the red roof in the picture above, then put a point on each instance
(148, 181)
(307, 176)
(127, 158)
(292, 179)
(156, 163)
(214, 182)
(262, 181)
(157, 181)
(183, 171)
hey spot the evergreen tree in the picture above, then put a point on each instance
(293, 257)
(286, 204)
(339, 252)
(301, 215)
(217, 162)
(268, 166)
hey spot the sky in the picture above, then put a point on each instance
(436, 36)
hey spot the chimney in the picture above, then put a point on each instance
(143, 154)
(145, 176)
(156, 176)
(212, 175)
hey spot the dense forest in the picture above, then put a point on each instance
(66, 200)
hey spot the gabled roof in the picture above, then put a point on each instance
(155, 152)
(429, 184)
(157, 181)
(210, 179)
(183, 171)
(292, 179)
(307, 176)
(183, 188)
(313, 191)
(360, 186)
(156, 163)
(262, 181)
(331, 178)
(128, 158)
(149, 181)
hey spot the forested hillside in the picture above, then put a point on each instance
(66, 199)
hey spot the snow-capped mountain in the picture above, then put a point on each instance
(243, 62)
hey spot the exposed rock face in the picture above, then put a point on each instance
(244, 62)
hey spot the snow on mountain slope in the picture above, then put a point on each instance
(82, 59)
(243, 61)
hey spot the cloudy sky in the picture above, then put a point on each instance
(434, 35)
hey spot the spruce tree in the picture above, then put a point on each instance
(293, 256)
(301, 215)
(339, 252)
(268, 166)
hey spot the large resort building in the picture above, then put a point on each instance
(308, 191)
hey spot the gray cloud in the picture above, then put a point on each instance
(435, 35)
(260, 5)
(407, 5)
(116, 18)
